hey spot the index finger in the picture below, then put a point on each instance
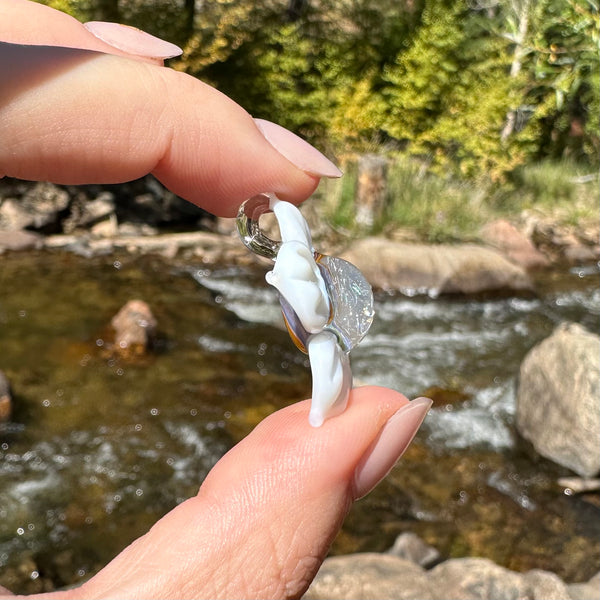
(72, 115)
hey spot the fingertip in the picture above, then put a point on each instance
(132, 40)
(221, 161)
(297, 150)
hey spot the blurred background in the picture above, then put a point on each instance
(468, 97)
(465, 129)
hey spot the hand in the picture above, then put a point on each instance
(91, 113)
(81, 111)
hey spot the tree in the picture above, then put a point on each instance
(423, 75)
(520, 10)
(566, 85)
(449, 93)
(555, 56)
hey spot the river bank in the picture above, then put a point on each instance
(143, 217)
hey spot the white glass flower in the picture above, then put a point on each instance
(326, 302)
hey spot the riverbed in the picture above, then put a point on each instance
(99, 447)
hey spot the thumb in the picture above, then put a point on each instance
(267, 513)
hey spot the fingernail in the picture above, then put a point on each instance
(132, 40)
(394, 439)
(296, 150)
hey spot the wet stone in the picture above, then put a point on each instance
(410, 546)
(5, 399)
(135, 328)
(558, 399)
(19, 240)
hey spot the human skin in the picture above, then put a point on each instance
(74, 109)
(89, 114)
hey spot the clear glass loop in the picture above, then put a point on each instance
(248, 228)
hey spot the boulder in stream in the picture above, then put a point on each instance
(504, 236)
(482, 579)
(558, 398)
(135, 328)
(382, 577)
(410, 546)
(588, 590)
(438, 269)
(88, 212)
(370, 576)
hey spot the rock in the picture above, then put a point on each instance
(39, 208)
(135, 327)
(20, 240)
(580, 485)
(370, 576)
(581, 254)
(543, 585)
(109, 227)
(5, 399)
(476, 579)
(558, 398)
(137, 230)
(505, 237)
(574, 244)
(77, 244)
(585, 591)
(211, 248)
(12, 216)
(85, 212)
(410, 546)
(381, 576)
(440, 269)
(550, 234)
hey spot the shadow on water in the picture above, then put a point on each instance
(99, 448)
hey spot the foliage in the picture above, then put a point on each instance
(566, 82)
(560, 188)
(449, 94)
(472, 88)
(436, 209)
(79, 10)
(447, 209)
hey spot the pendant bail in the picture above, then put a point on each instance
(248, 227)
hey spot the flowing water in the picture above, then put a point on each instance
(99, 448)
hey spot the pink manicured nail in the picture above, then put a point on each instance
(296, 150)
(131, 40)
(394, 439)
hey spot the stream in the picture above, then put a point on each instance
(99, 448)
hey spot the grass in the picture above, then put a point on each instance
(436, 209)
(559, 189)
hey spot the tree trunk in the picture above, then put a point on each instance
(107, 10)
(521, 10)
(295, 9)
(190, 14)
(371, 190)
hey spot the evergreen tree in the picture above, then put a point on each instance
(450, 92)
